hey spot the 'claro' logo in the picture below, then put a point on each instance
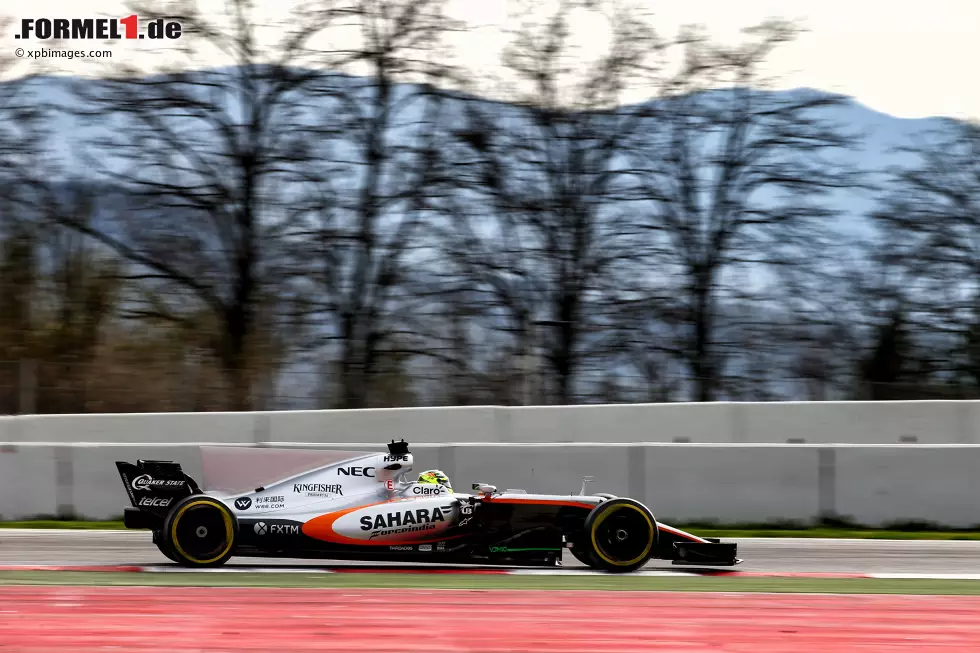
(428, 490)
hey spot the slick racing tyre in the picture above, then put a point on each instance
(620, 535)
(582, 554)
(199, 532)
(158, 540)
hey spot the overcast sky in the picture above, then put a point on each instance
(909, 58)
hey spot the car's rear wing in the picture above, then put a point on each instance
(153, 487)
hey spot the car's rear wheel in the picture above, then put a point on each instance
(161, 545)
(620, 535)
(199, 532)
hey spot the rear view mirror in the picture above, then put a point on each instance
(483, 488)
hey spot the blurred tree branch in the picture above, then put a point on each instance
(929, 217)
(536, 227)
(730, 176)
(382, 171)
(207, 158)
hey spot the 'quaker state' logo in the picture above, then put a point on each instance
(146, 482)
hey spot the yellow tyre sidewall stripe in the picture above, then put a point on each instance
(229, 531)
(602, 517)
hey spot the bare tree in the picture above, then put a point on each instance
(535, 228)
(929, 218)
(381, 178)
(729, 178)
(22, 136)
(23, 166)
(58, 294)
(77, 296)
(211, 160)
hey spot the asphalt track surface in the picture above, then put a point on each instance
(64, 547)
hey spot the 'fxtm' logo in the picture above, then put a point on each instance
(103, 29)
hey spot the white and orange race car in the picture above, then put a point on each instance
(263, 502)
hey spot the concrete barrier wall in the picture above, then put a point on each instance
(875, 462)
(685, 482)
(924, 422)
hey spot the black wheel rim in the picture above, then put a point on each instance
(201, 532)
(623, 535)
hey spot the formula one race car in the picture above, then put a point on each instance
(293, 503)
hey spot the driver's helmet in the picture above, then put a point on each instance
(436, 477)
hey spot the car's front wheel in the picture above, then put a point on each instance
(199, 532)
(620, 535)
(582, 554)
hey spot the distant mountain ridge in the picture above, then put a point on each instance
(883, 132)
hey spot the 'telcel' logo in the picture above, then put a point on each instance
(102, 29)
